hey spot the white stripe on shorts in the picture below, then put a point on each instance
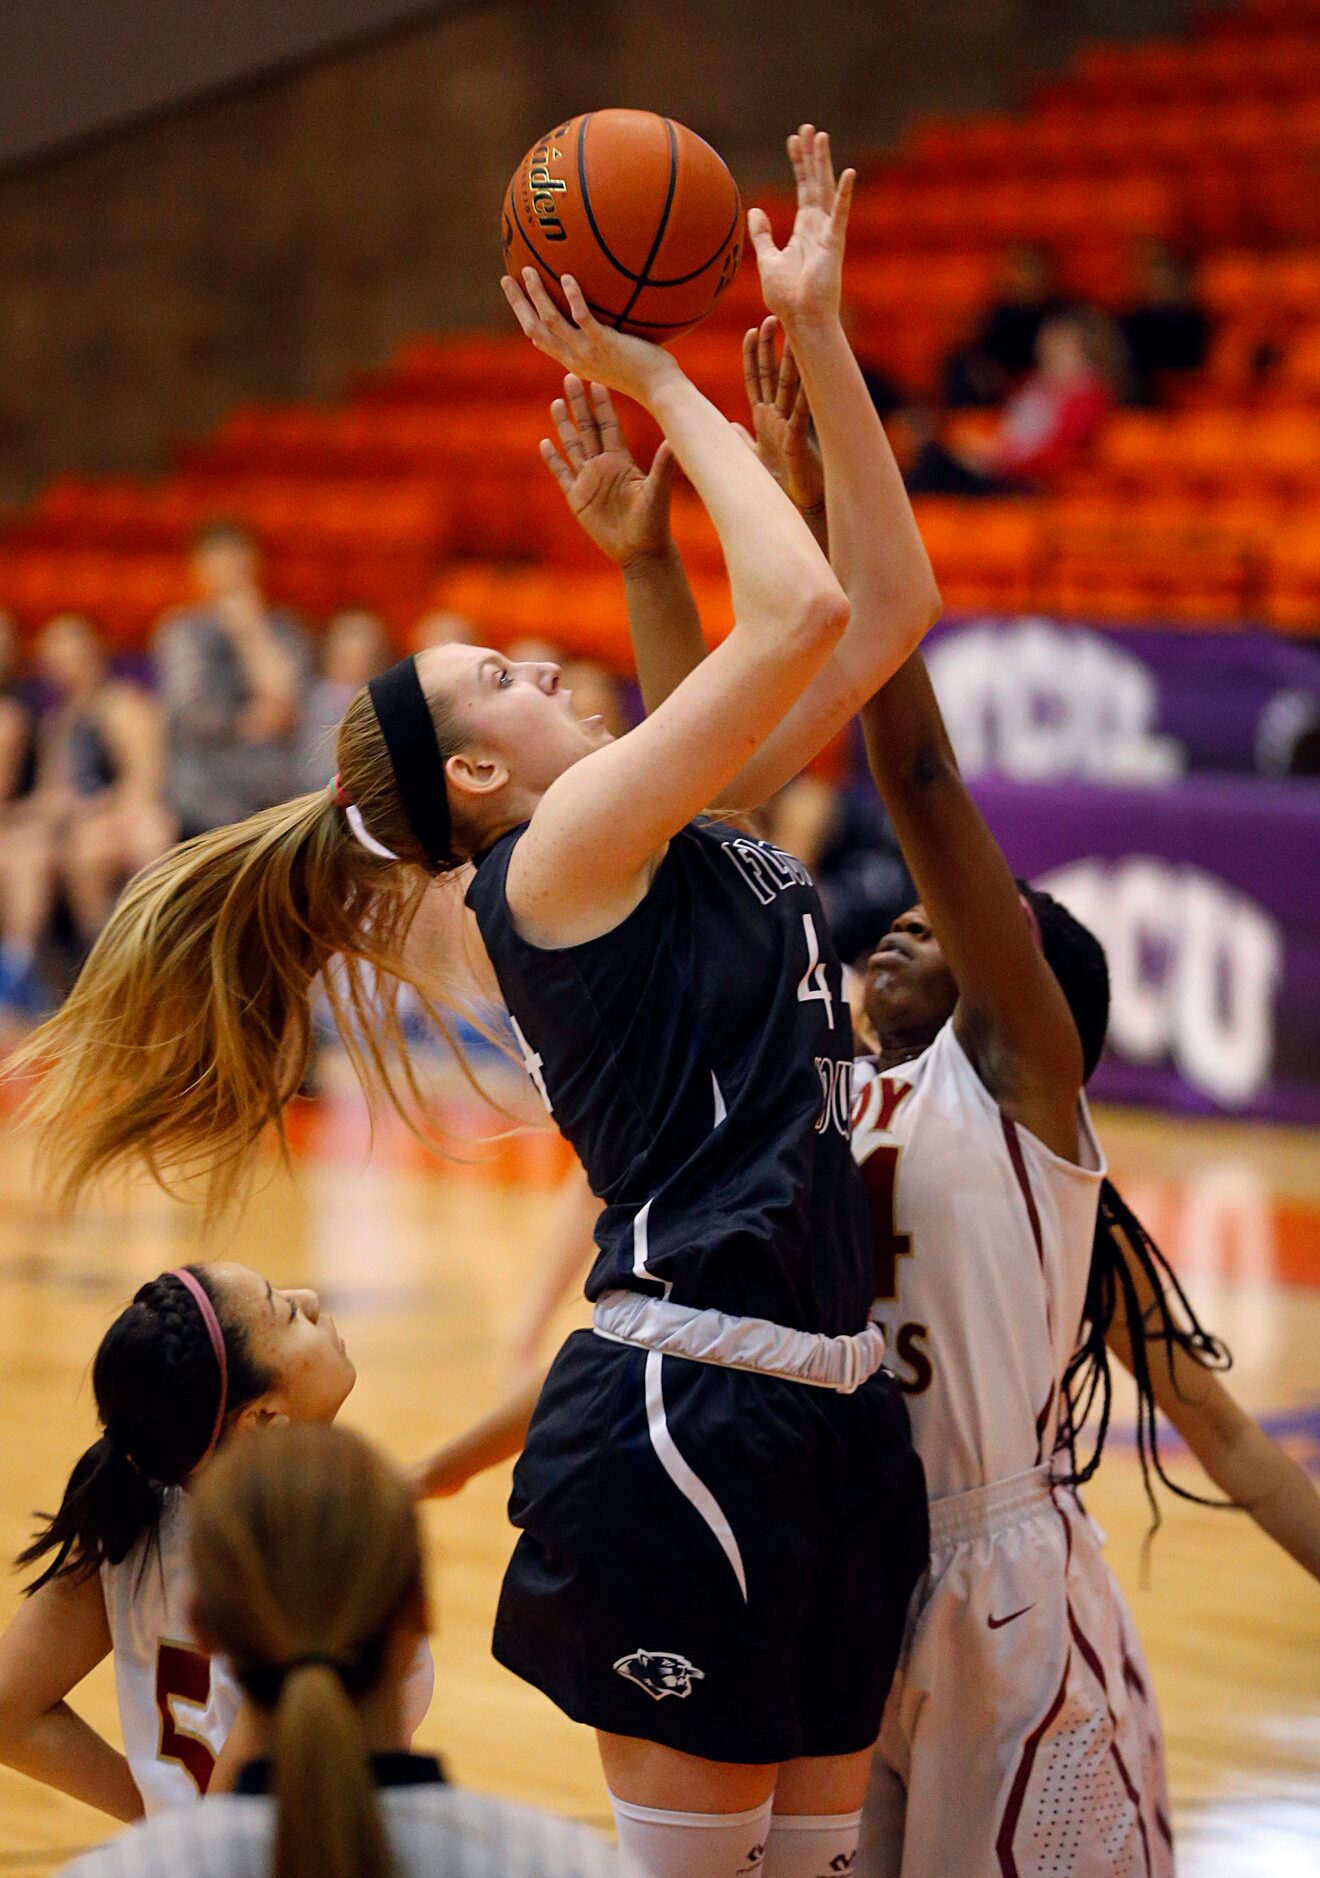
(689, 1485)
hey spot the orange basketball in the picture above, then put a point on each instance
(639, 209)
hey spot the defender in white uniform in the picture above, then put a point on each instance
(1020, 1736)
(1022, 1689)
(200, 1354)
(177, 1704)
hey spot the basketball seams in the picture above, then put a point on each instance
(682, 280)
(605, 314)
(647, 288)
(645, 279)
(665, 213)
(590, 213)
(601, 312)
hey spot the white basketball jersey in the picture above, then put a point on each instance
(983, 1244)
(176, 1703)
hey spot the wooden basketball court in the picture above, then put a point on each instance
(422, 1265)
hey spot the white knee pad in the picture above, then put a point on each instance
(811, 1845)
(657, 1844)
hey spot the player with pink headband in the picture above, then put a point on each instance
(201, 1353)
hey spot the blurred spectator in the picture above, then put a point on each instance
(18, 750)
(442, 629)
(533, 650)
(596, 693)
(233, 673)
(1004, 344)
(95, 814)
(844, 839)
(1166, 328)
(886, 395)
(356, 647)
(1046, 424)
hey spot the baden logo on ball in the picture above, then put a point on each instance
(638, 208)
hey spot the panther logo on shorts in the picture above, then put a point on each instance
(660, 1672)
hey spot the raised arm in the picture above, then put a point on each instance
(874, 545)
(1246, 1465)
(1012, 1017)
(626, 514)
(600, 829)
(54, 1640)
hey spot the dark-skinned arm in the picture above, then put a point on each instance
(1012, 1017)
(626, 513)
(1245, 1463)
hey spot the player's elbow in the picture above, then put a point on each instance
(820, 616)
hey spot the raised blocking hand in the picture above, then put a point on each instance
(802, 281)
(781, 418)
(625, 512)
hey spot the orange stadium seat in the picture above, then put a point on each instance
(1205, 511)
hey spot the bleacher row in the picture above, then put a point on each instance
(424, 487)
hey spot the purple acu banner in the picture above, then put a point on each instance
(1032, 697)
(1206, 895)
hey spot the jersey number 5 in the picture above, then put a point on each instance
(183, 1675)
(814, 989)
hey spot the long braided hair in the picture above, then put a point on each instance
(156, 1385)
(1077, 959)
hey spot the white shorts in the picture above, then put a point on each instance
(1021, 1738)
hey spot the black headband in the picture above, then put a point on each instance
(419, 771)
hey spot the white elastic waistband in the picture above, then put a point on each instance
(840, 1363)
(962, 1516)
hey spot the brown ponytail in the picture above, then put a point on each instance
(190, 1026)
(306, 1556)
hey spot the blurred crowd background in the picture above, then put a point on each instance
(265, 426)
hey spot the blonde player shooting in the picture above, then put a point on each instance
(1021, 1669)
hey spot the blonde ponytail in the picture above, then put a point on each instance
(306, 1561)
(328, 1822)
(190, 1026)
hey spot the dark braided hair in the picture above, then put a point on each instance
(1077, 959)
(156, 1386)
(1111, 1294)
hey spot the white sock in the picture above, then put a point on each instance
(657, 1844)
(812, 1845)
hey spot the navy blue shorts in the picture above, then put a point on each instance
(711, 1559)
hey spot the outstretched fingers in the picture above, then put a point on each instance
(788, 386)
(583, 316)
(608, 427)
(758, 233)
(570, 440)
(767, 363)
(663, 465)
(523, 310)
(843, 196)
(584, 418)
(556, 465)
(823, 166)
(751, 371)
(799, 155)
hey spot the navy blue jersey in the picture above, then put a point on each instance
(699, 1059)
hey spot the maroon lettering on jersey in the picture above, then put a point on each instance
(888, 1092)
(183, 1675)
(880, 1173)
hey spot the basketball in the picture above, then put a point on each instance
(639, 209)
